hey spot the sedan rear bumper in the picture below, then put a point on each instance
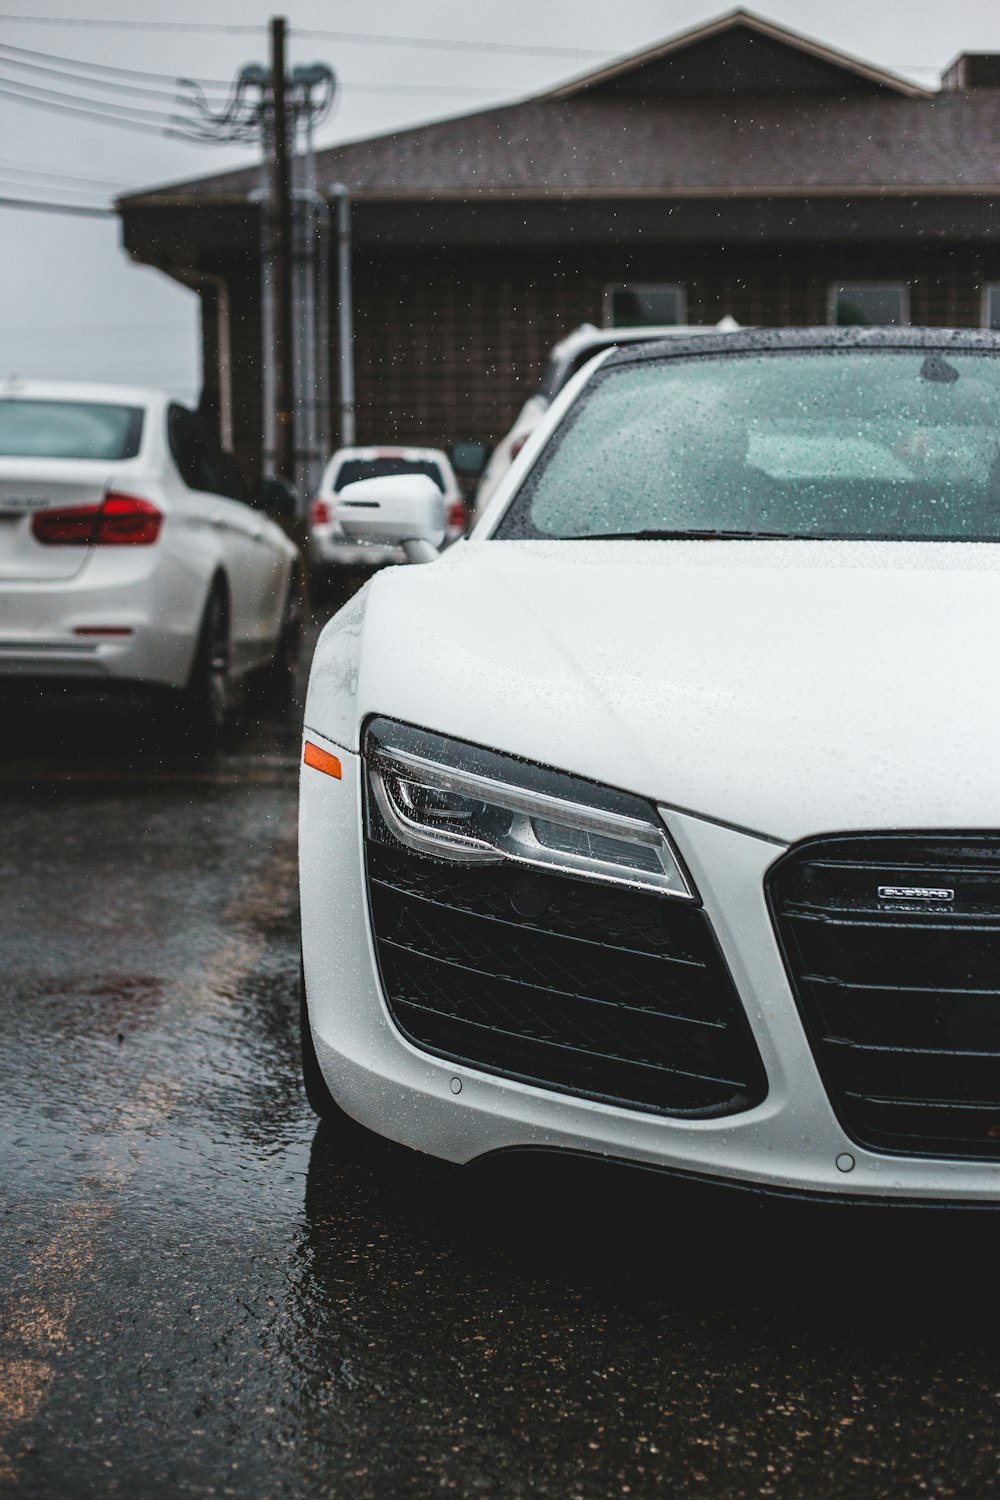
(118, 659)
(127, 618)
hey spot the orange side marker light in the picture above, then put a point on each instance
(322, 760)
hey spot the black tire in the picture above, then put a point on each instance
(207, 699)
(280, 678)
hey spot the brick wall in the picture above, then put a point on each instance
(449, 345)
(448, 350)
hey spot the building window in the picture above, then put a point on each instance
(864, 304)
(991, 305)
(637, 306)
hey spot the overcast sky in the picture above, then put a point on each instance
(71, 304)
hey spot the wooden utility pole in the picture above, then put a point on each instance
(279, 209)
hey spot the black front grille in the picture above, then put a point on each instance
(900, 994)
(585, 988)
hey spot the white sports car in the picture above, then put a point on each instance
(127, 553)
(660, 820)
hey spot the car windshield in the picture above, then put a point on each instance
(69, 429)
(353, 469)
(839, 444)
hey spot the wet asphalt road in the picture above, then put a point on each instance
(205, 1295)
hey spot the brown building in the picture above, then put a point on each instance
(737, 169)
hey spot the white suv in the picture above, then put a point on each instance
(565, 358)
(330, 548)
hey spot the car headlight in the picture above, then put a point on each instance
(455, 801)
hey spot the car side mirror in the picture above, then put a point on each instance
(395, 509)
(469, 458)
(279, 499)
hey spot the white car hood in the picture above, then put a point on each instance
(786, 688)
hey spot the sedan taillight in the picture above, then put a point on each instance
(457, 514)
(121, 521)
(320, 513)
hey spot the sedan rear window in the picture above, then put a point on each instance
(353, 469)
(69, 429)
(859, 444)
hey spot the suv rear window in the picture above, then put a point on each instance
(353, 469)
(557, 371)
(69, 429)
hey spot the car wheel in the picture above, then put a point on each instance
(280, 677)
(207, 697)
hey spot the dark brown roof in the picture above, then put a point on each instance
(738, 107)
(741, 51)
(613, 147)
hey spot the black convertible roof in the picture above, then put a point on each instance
(749, 340)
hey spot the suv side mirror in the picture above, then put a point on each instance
(469, 458)
(279, 499)
(394, 509)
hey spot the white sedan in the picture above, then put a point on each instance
(127, 555)
(660, 820)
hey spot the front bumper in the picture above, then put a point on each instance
(791, 1142)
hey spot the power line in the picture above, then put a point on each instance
(135, 118)
(93, 67)
(108, 24)
(35, 91)
(22, 168)
(378, 39)
(368, 38)
(39, 206)
(172, 127)
(8, 183)
(438, 90)
(241, 119)
(95, 116)
(155, 122)
(116, 86)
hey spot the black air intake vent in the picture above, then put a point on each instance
(607, 993)
(892, 945)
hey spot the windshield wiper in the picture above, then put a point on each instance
(686, 536)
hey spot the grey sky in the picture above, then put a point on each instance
(72, 305)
